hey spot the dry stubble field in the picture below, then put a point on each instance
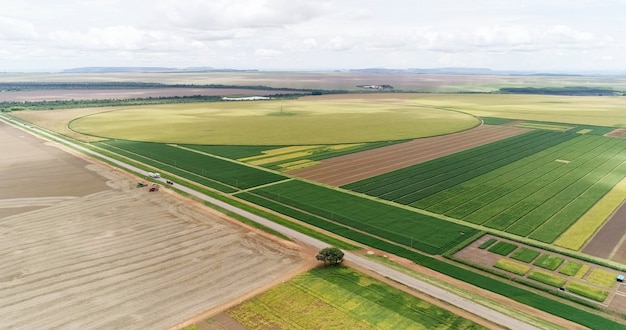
(82, 247)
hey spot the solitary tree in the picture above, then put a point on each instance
(330, 255)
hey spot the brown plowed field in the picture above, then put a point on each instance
(610, 238)
(82, 248)
(354, 167)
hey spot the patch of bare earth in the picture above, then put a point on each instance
(620, 132)
(342, 170)
(90, 250)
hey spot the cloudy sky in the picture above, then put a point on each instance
(44, 35)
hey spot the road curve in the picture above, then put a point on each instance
(468, 305)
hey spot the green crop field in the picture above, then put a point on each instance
(548, 262)
(588, 291)
(502, 248)
(402, 226)
(525, 255)
(192, 165)
(341, 298)
(538, 192)
(512, 267)
(547, 278)
(487, 243)
(570, 268)
(347, 119)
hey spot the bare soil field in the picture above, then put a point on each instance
(354, 167)
(109, 94)
(608, 242)
(90, 250)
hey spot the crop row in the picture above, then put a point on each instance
(469, 196)
(223, 171)
(535, 202)
(538, 196)
(432, 177)
(402, 226)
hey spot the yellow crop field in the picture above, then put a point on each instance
(348, 119)
(576, 236)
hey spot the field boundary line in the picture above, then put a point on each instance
(226, 159)
(262, 186)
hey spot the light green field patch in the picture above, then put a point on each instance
(602, 277)
(570, 268)
(297, 164)
(547, 278)
(587, 291)
(281, 151)
(584, 131)
(582, 271)
(339, 120)
(344, 146)
(512, 266)
(548, 127)
(278, 158)
(548, 262)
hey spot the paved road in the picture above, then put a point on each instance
(468, 305)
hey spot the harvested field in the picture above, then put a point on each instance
(108, 94)
(114, 256)
(608, 242)
(354, 167)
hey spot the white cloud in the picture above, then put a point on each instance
(267, 53)
(17, 29)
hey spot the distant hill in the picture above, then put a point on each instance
(478, 71)
(109, 69)
(114, 69)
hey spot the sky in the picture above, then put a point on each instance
(528, 35)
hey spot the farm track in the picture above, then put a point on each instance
(354, 167)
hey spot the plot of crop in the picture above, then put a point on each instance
(578, 234)
(588, 291)
(487, 243)
(582, 271)
(402, 226)
(512, 267)
(547, 278)
(503, 248)
(548, 262)
(340, 298)
(525, 255)
(602, 277)
(570, 268)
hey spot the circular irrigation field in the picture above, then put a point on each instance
(309, 120)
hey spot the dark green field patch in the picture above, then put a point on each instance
(525, 255)
(487, 243)
(405, 227)
(502, 248)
